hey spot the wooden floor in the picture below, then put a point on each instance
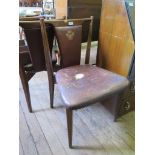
(44, 132)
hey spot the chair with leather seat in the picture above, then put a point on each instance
(32, 58)
(81, 85)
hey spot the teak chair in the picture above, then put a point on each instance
(80, 85)
(37, 59)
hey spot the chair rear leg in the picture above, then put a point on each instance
(69, 115)
(25, 87)
(118, 98)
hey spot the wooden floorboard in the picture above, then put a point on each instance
(112, 126)
(27, 141)
(44, 132)
(123, 141)
(21, 152)
(97, 131)
(47, 129)
(34, 126)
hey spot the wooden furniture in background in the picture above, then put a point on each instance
(116, 48)
(30, 3)
(35, 50)
(61, 8)
(81, 85)
(80, 9)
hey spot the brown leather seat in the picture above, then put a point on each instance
(86, 84)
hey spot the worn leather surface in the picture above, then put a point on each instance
(35, 44)
(85, 84)
(69, 42)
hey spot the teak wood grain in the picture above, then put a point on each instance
(116, 44)
(116, 49)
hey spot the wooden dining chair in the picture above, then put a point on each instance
(37, 59)
(81, 85)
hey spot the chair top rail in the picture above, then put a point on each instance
(57, 22)
(30, 18)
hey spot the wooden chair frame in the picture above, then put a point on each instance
(26, 76)
(57, 23)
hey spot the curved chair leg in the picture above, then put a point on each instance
(25, 87)
(69, 115)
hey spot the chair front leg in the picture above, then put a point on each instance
(25, 86)
(51, 88)
(69, 115)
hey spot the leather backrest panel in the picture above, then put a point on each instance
(35, 44)
(69, 42)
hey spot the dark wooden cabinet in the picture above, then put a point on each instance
(128, 100)
(80, 9)
(116, 48)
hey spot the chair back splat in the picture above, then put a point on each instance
(70, 37)
(69, 42)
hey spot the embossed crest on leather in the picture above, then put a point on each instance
(68, 38)
(70, 35)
